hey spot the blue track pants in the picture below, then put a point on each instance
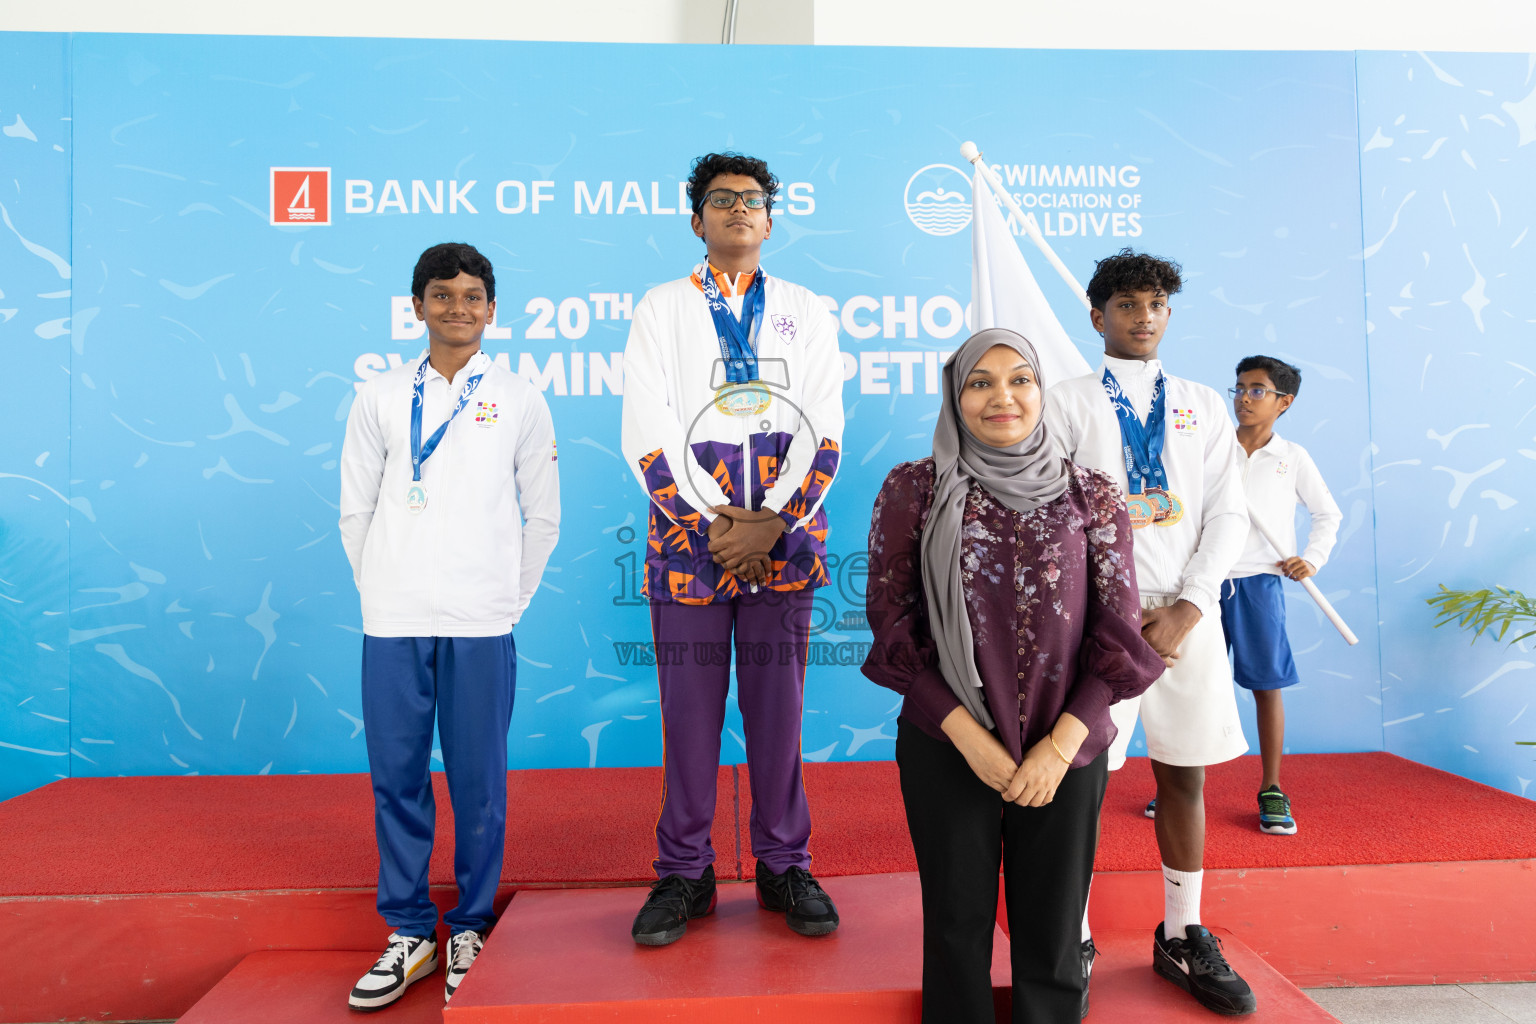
(466, 684)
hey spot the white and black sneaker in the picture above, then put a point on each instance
(409, 958)
(463, 947)
(1196, 964)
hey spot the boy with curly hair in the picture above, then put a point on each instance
(732, 423)
(1168, 443)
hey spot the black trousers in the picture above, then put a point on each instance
(962, 832)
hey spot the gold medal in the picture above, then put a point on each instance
(1162, 503)
(1142, 512)
(750, 398)
(1175, 511)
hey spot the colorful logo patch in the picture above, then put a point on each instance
(554, 452)
(1184, 421)
(1282, 469)
(485, 414)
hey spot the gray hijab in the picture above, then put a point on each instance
(1022, 477)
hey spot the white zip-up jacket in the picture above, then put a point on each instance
(469, 562)
(692, 445)
(1189, 559)
(1275, 478)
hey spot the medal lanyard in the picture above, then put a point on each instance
(735, 335)
(419, 451)
(1141, 445)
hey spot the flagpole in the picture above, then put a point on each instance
(1311, 588)
(971, 153)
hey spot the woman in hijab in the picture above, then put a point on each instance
(1002, 596)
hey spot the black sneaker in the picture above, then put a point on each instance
(805, 905)
(673, 901)
(408, 959)
(1089, 952)
(1196, 965)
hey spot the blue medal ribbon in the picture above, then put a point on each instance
(1141, 445)
(735, 334)
(419, 451)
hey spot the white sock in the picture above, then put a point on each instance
(1086, 933)
(1181, 900)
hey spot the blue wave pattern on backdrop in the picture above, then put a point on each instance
(215, 620)
(1449, 147)
(35, 503)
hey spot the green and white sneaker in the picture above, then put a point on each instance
(1275, 813)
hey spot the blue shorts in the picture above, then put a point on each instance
(1253, 618)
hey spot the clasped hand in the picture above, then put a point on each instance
(740, 540)
(1031, 784)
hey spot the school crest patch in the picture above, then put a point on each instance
(1183, 421)
(1282, 469)
(785, 325)
(485, 414)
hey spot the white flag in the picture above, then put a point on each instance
(1004, 292)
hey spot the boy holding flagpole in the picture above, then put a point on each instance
(1277, 475)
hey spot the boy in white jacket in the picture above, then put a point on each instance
(1168, 443)
(450, 507)
(1277, 474)
(733, 425)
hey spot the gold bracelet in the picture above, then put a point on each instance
(1059, 754)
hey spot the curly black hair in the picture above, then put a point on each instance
(444, 261)
(1285, 377)
(711, 165)
(1131, 271)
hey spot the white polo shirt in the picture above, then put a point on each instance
(468, 563)
(1276, 478)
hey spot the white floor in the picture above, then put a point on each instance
(1431, 1004)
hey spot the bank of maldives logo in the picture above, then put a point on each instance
(939, 199)
(301, 195)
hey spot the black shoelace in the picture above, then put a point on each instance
(669, 893)
(1206, 954)
(799, 886)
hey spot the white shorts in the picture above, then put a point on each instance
(1190, 712)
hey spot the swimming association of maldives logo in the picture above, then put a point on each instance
(300, 195)
(938, 199)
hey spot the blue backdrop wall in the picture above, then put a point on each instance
(175, 594)
(1446, 172)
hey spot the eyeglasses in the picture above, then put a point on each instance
(725, 198)
(1256, 394)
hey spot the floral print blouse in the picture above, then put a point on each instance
(1052, 601)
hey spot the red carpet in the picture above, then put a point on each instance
(1349, 808)
(585, 827)
(166, 884)
(242, 832)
